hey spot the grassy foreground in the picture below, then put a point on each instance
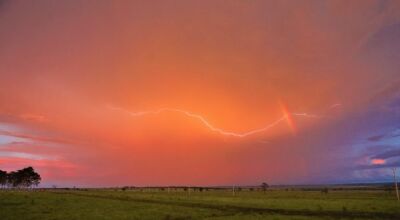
(220, 204)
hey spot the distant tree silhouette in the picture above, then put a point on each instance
(12, 179)
(325, 190)
(264, 186)
(24, 178)
(3, 178)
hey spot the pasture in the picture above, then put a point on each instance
(207, 204)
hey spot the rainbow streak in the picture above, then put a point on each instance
(286, 116)
(289, 118)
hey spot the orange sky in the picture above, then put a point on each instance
(99, 93)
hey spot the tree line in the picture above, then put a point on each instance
(24, 178)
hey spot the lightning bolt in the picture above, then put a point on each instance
(207, 124)
(308, 115)
(335, 105)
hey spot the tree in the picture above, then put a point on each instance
(24, 178)
(325, 190)
(3, 178)
(36, 178)
(12, 179)
(264, 186)
(30, 177)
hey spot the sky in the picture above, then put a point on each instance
(150, 93)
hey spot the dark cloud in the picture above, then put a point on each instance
(392, 134)
(376, 137)
(386, 41)
(387, 154)
(386, 96)
(378, 166)
(36, 138)
(2, 4)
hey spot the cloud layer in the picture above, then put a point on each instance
(328, 68)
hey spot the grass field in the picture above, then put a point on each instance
(215, 204)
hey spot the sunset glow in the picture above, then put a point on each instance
(378, 161)
(112, 93)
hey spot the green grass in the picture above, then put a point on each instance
(220, 204)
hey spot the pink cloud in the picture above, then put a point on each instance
(378, 161)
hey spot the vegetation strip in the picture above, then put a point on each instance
(248, 210)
